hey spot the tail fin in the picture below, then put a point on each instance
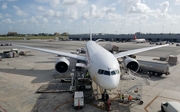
(90, 31)
(135, 37)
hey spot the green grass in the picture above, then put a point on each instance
(30, 37)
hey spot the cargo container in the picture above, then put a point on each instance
(78, 99)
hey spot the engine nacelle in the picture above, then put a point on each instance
(62, 65)
(131, 64)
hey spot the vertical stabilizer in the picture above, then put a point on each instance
(135, 37)
(90, 30)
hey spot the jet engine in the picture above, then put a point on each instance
(62, 65)
(131, 64)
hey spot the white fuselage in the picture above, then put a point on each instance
(140, 40)
(101, 65)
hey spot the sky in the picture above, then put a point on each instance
(77, 16)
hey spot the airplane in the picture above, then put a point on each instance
(102, 65)
(139, 40)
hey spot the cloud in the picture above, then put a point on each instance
(49, 13)
(135, 6)
(54, 3)
(40, 8)
(1, 16)
(161, 12)
(43, 1)
(112, 16)
(177, 2)
(75, 2)
(45, 21)
(7, 20)
(24, 21)
(10, 27)
(7, 15)
(134, 20)
(37, 20)
(33, 20)
(57, 21)
(19, 11)
(12, 0)
(71, 13)
(108, 10)
(52, 13)
(84, 22)
(4, 6)
(95, 13)
(58, 14)
(38, 17)
(164, 7)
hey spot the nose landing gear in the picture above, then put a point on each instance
(105, 95)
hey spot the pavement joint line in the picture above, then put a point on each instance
(152, 100)
(169, 98)
(145, 108)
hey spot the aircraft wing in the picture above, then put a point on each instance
(74, 56)
(135, 51)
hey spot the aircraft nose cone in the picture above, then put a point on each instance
(112, 83)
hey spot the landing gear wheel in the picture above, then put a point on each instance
(160, 74)
(155, 74)
(105, 96)
(150, 73)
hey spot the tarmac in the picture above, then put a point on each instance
(21, 77)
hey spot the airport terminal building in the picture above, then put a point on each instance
(127, 37)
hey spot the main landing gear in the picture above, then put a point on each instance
(105, 95)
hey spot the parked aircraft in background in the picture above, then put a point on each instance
(102, 65)
(139, 40)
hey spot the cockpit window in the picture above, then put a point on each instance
(113, 72)
(100, 71)
(117, 71)
(106, 72)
